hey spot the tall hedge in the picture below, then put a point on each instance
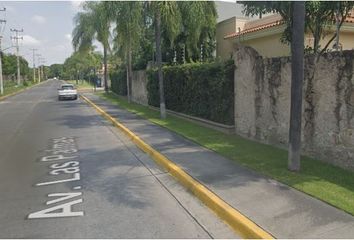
(203, 90)
(119, 82)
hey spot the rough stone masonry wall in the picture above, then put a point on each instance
(262, 102)
(139, 87)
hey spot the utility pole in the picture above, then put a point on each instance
(39, 71)
(42, 70)
(34, 64)
(297, 76)
(16, 38)
(1, 79)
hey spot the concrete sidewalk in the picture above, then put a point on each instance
(277, 208)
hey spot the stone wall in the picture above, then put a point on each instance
(262, 102)
(139, 87)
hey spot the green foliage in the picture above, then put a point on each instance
(56, 70)
(128, 19)
(93, 23)
(9, 65)
(119, 82)
(199, 89)
(320, 16)
(79, 65)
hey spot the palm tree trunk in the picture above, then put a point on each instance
(297, 76)
(159, 62)
(105, 73)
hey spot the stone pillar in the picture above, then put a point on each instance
(245, 90)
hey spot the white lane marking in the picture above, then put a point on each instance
(65, 171)
(61, 146)
(66, 211)
(64, 165)
(75, 178)
(56, 158)
(64, 196)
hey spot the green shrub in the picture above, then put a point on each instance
(119, 82)
(203, 90)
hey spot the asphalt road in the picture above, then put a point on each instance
(67, 173)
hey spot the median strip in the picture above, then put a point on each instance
(236, 220)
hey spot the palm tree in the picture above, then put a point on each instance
(199, 24)
(128, 19)
(167, 13)
(297, 76)
(197, 17)
(93, 23)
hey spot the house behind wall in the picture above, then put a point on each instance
(264, 35)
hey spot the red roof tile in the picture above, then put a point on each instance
(349, 19)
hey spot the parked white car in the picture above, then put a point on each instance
(67, 91)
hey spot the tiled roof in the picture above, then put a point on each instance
(254, 29)
(348, 19)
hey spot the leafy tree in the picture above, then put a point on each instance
(9, 65)
(56, 70)
(80, 65)
(320, 16)
(93, 23)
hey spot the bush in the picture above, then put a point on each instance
(119, 82)
(203, 90)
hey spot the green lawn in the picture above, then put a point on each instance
(329, 183)
(81, 84)
(11, 87)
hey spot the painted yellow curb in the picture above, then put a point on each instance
(19, 91)
(237, 221)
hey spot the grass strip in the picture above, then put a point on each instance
(321, 180)
(11, 87)
(80, 84)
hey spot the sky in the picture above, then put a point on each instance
(47, 27)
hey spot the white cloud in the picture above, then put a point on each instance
(30, 41)
(68, 36)
(10, 9)
(76, 4)
(38, 19)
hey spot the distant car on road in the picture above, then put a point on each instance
(67, 91)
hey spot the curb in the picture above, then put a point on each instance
(236, 220)
(20, 91)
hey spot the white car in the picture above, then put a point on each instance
(67, 91)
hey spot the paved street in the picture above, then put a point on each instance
(67, 173)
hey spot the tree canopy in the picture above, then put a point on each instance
(319, 17)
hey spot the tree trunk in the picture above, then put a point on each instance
(77, 76)
(159, 62)
(297, 76)
(105, 74)
(130, 72)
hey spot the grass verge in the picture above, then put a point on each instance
(324, 181)
(11, 87)
(80, 84)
